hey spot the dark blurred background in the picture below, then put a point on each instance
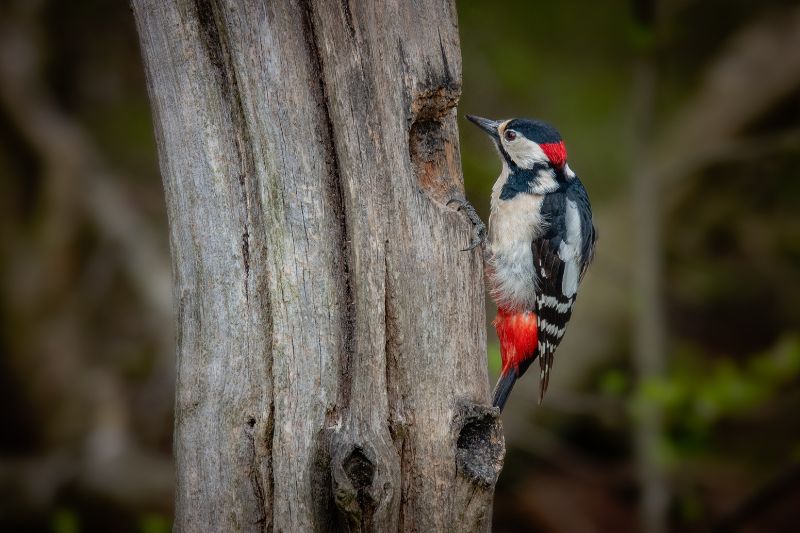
(675, 395)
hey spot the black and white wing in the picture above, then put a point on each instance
(561, 256)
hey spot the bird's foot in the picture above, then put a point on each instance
(478, 227)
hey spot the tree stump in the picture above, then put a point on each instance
(330, 334)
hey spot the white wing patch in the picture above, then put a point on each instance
(569, 250)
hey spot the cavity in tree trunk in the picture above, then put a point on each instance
(330, 334)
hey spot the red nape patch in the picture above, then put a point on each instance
(556, 153)
(518, 336)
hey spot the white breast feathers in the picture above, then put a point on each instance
(513, 225)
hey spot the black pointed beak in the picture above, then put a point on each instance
(489, 126)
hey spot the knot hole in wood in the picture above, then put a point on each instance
(433, 143)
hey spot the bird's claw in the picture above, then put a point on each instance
(478, 227)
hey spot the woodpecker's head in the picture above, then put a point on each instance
(524, 143)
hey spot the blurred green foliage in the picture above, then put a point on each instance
(65, 521)
(699, 392)
(155, 523)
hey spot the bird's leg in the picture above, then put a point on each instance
(478, 227)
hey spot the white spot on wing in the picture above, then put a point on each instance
(569, 283)
(569, 251)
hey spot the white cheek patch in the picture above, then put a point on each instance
(524, 152)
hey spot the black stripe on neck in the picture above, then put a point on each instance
(524, 179)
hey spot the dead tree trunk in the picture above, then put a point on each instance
(331, 338)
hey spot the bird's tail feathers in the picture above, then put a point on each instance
(503, 387)
(546, 364)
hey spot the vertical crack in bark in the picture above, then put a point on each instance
(336, 194)
(253, 472)
(348, 19)
(396, 410)
(448, 77)
(270, 439)
(390, 349)
(216, 41)
(246, 254)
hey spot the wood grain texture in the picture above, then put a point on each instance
(331, 335)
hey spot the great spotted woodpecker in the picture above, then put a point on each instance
(541, 239)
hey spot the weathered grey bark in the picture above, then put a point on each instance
(331, 338)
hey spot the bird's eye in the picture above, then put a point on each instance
(510, 135)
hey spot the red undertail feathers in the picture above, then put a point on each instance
(518, 336)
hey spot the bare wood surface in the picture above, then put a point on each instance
(330, 335)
